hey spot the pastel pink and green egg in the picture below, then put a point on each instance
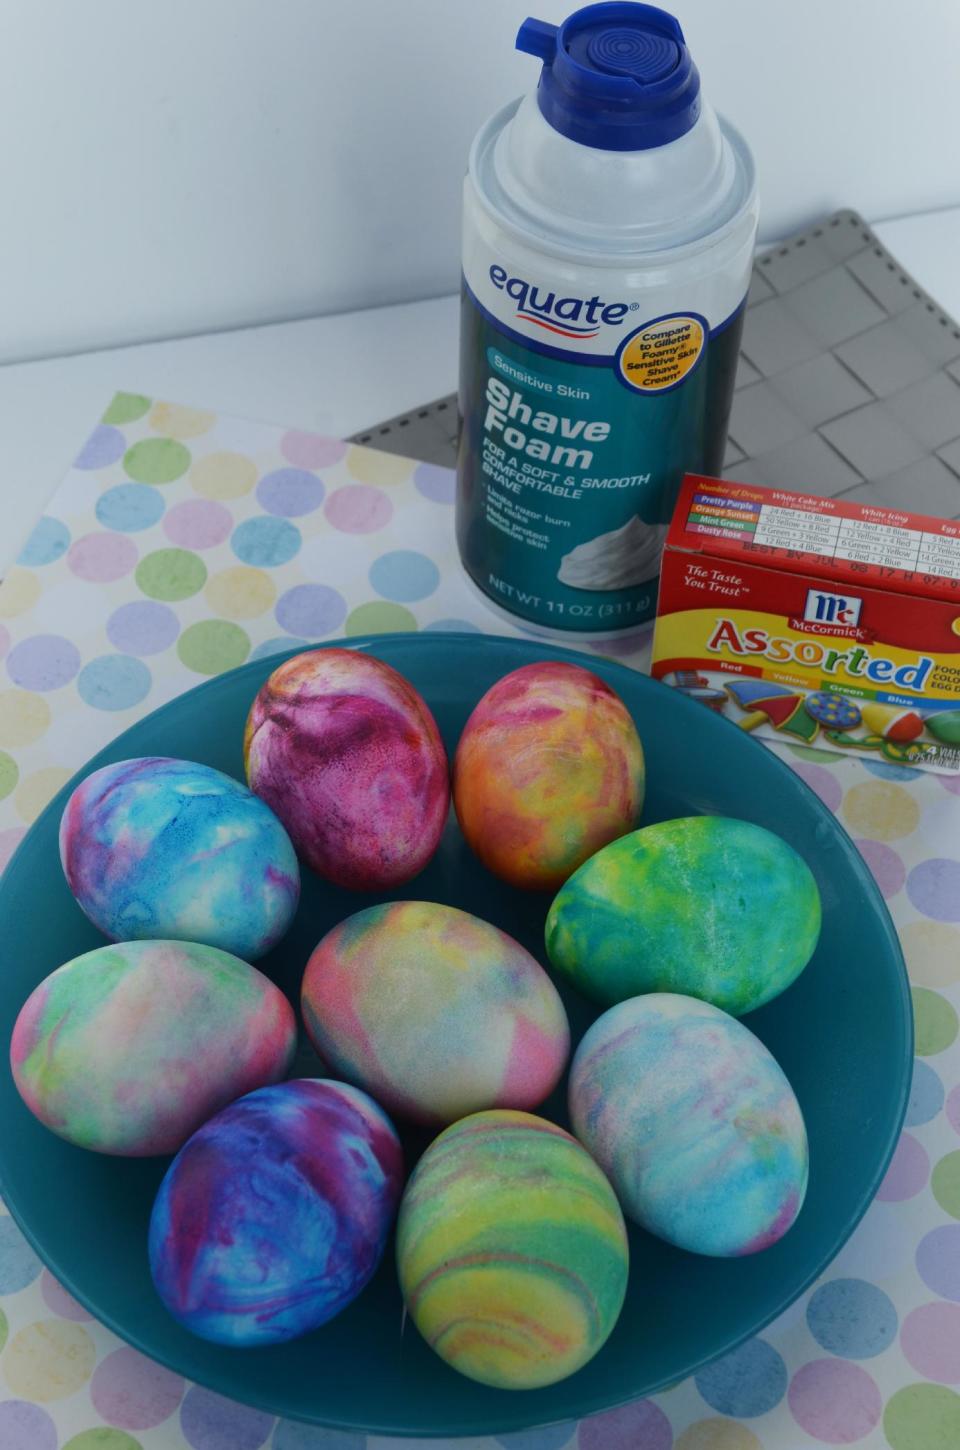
(129, 1048)
(436, 1013)
(512, 1251)
(549, 768)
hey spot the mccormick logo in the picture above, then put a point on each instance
(839, 609)
(578, 317)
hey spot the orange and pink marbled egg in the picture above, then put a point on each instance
(548, 770)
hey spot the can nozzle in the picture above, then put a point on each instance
(616, 75)
(538, 37)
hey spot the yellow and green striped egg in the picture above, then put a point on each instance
(512, 1250)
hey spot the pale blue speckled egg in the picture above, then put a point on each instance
(694, 1123)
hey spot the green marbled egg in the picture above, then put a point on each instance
(707, 906)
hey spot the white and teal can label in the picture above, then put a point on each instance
(580, 413)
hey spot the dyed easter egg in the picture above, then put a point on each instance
(129, 1048)
(713, 907)
(172, 850)
(549, 769)
(347, 753)
(512, 1251)
(274, 1215)
(694, 1123)
(945, 726)
(892, 722)
(435, 1012)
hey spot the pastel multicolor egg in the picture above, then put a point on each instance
(130, 1047)
(274, 1215)
(693, 1121)
(705, 905)
(512, 1251)
(549, 768)
(435, 1012)
(169, 849)
(347, 753)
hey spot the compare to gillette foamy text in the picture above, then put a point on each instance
(815, 620)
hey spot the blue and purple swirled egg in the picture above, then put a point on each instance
(170, 850)
(274, 1215)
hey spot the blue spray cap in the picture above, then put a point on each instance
(615, 76)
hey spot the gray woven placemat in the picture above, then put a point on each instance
(849, 380)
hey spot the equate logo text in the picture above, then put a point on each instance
(580, 317)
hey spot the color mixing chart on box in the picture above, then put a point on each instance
(874, 544)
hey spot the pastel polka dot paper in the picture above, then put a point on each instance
(181, 544)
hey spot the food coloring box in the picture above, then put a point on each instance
(816, 621)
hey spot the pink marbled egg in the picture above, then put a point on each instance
(347, 754)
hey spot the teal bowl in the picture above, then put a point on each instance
(842, 1033)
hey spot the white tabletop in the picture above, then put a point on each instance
(332, 375)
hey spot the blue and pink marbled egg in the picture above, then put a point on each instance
(694, 1123)
(168, 849)
(274, 1216)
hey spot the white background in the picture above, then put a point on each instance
(197, 164)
